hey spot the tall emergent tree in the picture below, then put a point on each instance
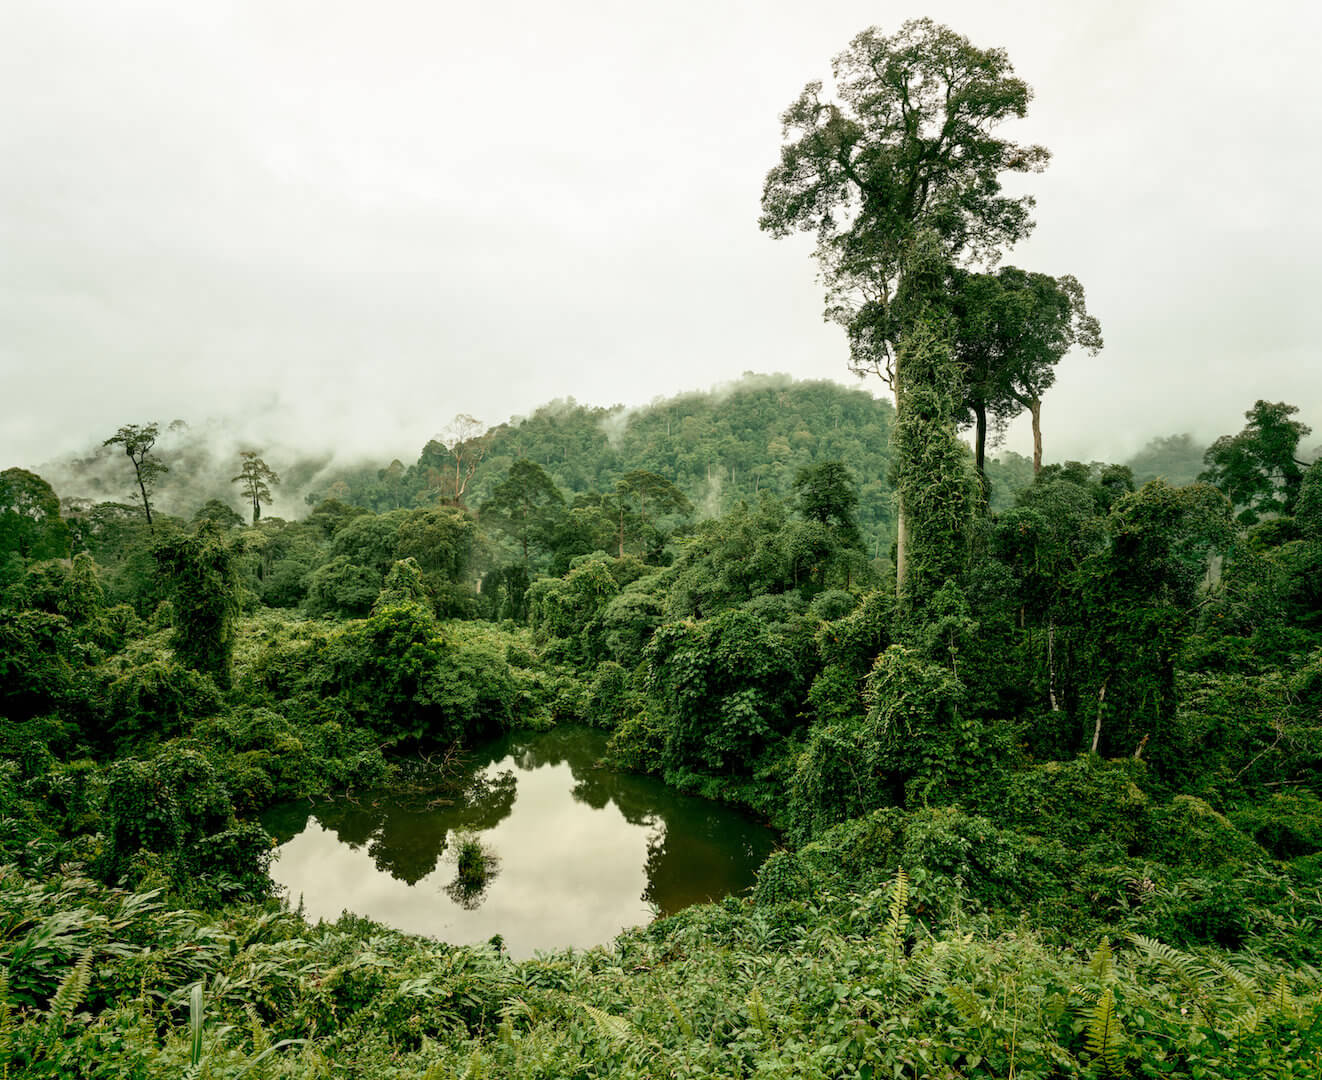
(908, 143)
(255, 480)
(1258, 469)
(137, 441)
(465, 441)
(1011, 329)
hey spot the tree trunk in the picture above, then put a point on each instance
(1035, 407)
(901, 548)
(146, 503)
(980, 437)
(1097, 731)
(1051, 666)
(901, 526)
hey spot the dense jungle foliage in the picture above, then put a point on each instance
(1042, 739)
(1068, 819)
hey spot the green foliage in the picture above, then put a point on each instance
(724, 689)
(915, 742)
(152, 695)
(174, 806)
(30, 522)
(203, 580)
(610, 697)
(935, 479)
(343, 587)
(828, 494)
(137, 441)
(782, 878)
(571, 609)
(39, 670)
(255, 480)
(527, 506)
(1258, 469)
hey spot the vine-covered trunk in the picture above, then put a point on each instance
(901, 526)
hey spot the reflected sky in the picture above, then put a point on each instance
(582, 852)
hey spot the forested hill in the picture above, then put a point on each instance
(717, 447)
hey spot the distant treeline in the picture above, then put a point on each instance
(718, 447)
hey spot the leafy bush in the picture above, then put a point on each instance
(724, 688)
(781, 878)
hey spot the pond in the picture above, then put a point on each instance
(580, 852)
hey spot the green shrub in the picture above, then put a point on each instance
(1287, 824)
(782, 877)
(610, 699)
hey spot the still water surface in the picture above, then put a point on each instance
(583, 852)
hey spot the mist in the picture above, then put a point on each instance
(332, 228)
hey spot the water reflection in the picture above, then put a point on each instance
(583, 851)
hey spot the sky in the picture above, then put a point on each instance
(336, 225)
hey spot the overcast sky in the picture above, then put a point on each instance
(342, 223)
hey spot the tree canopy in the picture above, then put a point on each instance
(255, 480)
(1258, 468)
(137, 441)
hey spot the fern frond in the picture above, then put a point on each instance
(260, 1040)
(1103, 962)
(1198, 980)
(71, 993)
(1281, 1001)
(682, 1022)
(898, 920)
(615, 1028)
(1245, 986)
(757, 1011)
(968, 1005)
(6, 1025)
(1106, 1038)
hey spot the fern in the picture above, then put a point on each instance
(1281, 1001)
(1198, 980)
(6, 1027)
(682, 1022)
(893, 933)
(615, 1028)
(968, 1005)
(1243, 985)
(1103, 962)
(260, 1040)
(1105, 1038)
(71, 993)
(757, 1011)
